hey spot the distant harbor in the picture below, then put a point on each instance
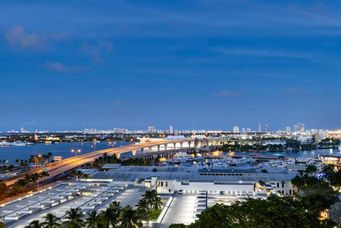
(13, 152)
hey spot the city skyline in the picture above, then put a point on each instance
(298, 127)
(194, 66)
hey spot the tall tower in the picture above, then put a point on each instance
(259, 128)
(171, 129)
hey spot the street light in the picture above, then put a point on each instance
(78, 151)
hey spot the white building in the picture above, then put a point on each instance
(236, 129)
(191, 180)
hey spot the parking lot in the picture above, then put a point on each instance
(62, 197)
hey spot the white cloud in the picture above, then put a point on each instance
(17, 36)
(61, 68)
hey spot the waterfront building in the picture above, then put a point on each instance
(237, 182)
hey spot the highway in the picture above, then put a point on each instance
(56, 168)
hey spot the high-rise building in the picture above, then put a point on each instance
(236, 129)
(151, 129)
(171, 129)
(288, 129)
(267, 128)
(299, 127)
(259, 128)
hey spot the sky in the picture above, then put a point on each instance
(209, 64)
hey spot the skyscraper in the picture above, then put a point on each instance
(151, 129)
(259, 128)
(171, 129)
(235, 129)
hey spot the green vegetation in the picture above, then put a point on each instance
(21, 185)
(106, 159)
(316, 196)
(255, 145)
(148, 208)
(34, 224)
(274, 212)
(154, 214)
(79, 174)
(150, 204)
(4, 167)
(51, 221)
(329, 143)
(40, 158)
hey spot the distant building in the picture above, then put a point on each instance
(288, 129)
(334, 134)
(151, 130)
(120, 130)
(236, 129)
(299, 128)
(267, 128)
(189, 180)
(259, 128)
(171, 129)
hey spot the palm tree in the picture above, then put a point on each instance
(129, 218)
(19, 186)
(78, 174)
(51, 221)
(34, 224)
(111, 215)
(92, 219)
(152, 200)
(74, 218)
(142, 214)
(156, 203)
(116, 206)
(143, 205)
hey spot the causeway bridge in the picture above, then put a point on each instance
(66, 165)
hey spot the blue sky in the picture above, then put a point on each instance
(206, 64)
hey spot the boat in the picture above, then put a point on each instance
(18, 143)
(5, 143)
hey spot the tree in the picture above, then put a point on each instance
(279, 212)
(150, 200)
(316, 195)
(74, 218)
(92, 219)
(156, 203)
(19, 186)
(111, 215)
(78, 174)
(129, 218)
(3, 188)
(335, 179)
(143, 205)
(318, 198)
(310, 169)
(304, 181)
(51, 221)
(34, 224)
(328, 171)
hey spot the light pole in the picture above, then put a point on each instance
(76, 151)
